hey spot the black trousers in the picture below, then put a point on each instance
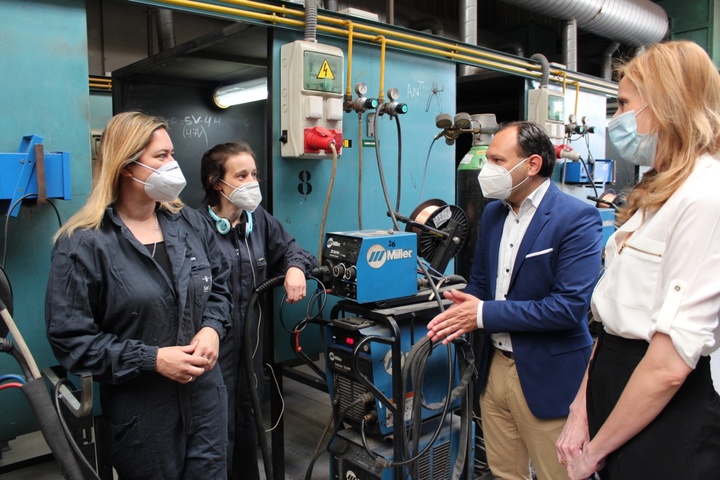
(683, 442)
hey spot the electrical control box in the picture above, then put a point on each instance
(311, 103)
(372, 265)
(547, 108)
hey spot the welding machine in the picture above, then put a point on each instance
(374, 363)
(350, 460)
(372, 265)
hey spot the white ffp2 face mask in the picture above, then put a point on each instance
(245, 197)
(496, 182)
(165, 183)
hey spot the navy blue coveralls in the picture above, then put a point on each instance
(110, 306)
(269, 248)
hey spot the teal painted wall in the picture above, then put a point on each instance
(414, 76)
(697, 21)
(43, 91)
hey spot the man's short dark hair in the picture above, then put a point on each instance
(532, 140)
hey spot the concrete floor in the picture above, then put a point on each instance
(307, 410)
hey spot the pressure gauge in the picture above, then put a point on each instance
(393, 94)
(361, 88)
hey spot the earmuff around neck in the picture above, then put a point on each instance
(223, 225)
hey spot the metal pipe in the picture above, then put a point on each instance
(570, 45)
(468, 29)
(435, 48)
(165, 28)
(631, 22)
(607, 60)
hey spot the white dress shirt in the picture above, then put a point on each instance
(516, 224)
(663, 271)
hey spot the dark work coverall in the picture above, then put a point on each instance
(110, 306)
(268, 249)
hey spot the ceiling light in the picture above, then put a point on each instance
(243, 92)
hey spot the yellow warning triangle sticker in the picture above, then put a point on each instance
(325, 71)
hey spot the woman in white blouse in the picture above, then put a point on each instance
(647, 407)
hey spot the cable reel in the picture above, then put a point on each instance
(442, 230)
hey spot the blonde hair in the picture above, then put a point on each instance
(682, 88)
(123, 141)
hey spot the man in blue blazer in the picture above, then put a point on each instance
(536, 262)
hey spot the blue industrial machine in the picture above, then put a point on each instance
(372, 265)
(351, 460)
(373, 362)
(32, 172)
(384, 376)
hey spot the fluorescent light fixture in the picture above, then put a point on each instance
(243, 92)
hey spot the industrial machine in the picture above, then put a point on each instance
(365, 459)
(379, 265)
(372, 265)
(384, 376)
(349, 372)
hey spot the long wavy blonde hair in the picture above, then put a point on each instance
(124, 140)
(682, 88)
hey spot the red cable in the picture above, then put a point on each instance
(10, 385)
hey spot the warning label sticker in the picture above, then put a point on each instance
(325, 71)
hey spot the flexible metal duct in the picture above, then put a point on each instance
(631, 22)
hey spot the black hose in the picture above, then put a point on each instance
(39, 400)
(250, 370)
(7, 346)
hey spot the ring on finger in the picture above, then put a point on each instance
(190, 378)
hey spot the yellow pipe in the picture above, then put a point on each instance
(381, 96)
(477, 57)
(348, 89)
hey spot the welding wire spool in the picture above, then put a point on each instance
(436, 213)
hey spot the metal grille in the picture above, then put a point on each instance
(435, 465)
(348, 391)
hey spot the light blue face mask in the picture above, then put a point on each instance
(629, 145)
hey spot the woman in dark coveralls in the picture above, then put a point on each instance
(257, 245)
(138, 297)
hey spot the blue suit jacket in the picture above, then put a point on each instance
(557, 266)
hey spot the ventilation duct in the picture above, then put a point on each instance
(630, 22)
(165, 29)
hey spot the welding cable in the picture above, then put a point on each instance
(589, 177)
(422, 350)
(39, 400)
(6, 345)
(399, 169)
(295, 345)
(90, 471)
(391, 212)
(250, 370)
(12, 376)
(318, 448)
(327, 201)
(427, 161)
(7, 219)
(364, 398)
(360, 171)
(20, 342)
(282, 400)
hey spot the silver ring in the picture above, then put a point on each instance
(191, 378)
